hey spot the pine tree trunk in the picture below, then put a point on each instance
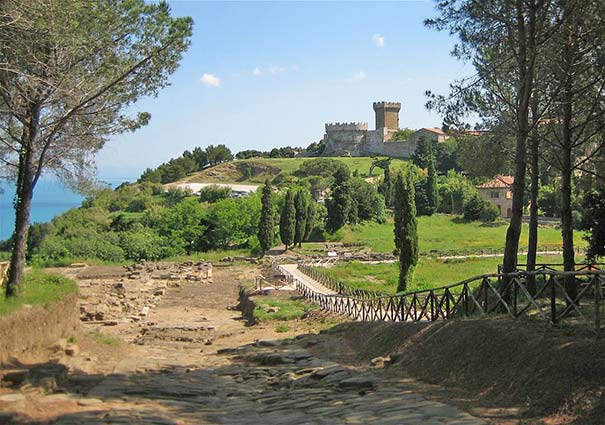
(533, 209)
(566, 166)
(569, 262)
(22, 212)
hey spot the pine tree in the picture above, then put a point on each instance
(301, 206)
(265, 227)
(287, 222)
(406, 232)
(340, 204)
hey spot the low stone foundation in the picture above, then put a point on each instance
(30, 332)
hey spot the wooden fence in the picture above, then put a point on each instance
(479, 295)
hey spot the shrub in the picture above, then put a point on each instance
(142, 243)
(490, 212)
(476, 208)
(214, 193)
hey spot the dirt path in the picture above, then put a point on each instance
(193, 361)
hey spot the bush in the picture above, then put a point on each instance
(214, 193)
(490, 212)
(476, 208)
(142, 243)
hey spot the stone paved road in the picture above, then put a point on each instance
(198, 364)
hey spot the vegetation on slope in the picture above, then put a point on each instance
(38, 289)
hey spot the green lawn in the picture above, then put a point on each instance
(446, 235)
(38, 288)
(429, 273)
(271, 308)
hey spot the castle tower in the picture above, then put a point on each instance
(387, 116)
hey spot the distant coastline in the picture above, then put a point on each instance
(51, 198)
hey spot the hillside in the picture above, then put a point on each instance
(256, 170)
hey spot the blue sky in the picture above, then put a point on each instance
(266, 74)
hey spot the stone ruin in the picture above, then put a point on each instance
(129, 296)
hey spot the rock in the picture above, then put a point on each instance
(110, 323)
(89, 402)
(267, 343)
(159, 292)
(208, 342)
(15, 378)
(72, 350)
(144, 311)
(357, 382)
(12, 398)
(77, 265)
(272, 309)
(380, 361)
(322, 373)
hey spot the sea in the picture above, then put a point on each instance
(51, 198)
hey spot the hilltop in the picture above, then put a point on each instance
(256, 170)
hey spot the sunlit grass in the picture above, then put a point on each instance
(38, 289)
(429, 272)
(447, 235)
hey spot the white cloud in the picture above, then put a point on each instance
(295, 67)
(358, 76)
(378, 40)
(276, 69)
(257, 72)
(210, 80)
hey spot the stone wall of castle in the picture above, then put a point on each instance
(354, 138)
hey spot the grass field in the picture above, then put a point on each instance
(429, 273)
(448, 235)
(38, 289)
(230, 172)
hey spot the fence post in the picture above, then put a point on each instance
(553, 300)
(597, 305)
(515, 289)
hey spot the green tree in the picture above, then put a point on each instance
(214, 193)
(287, 221)
(340, 204)
(432, 191)
(504, 40)
(218, 154)
(301, 202)
(311, 217)
(406, 229)
(369, 203)
(70, 69)
(265, 227)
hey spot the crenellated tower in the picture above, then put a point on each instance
(387, 116)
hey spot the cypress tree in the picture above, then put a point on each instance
(432, 191)
(287, 222)
(387, 186)
(300, 204)
(311, 211)
(265, 227)
(340, 204)
(406, 232)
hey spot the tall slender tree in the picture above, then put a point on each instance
(432, 191)
(301, 205)
(406, 229)
(69, 71)
(287, 222)
(266, 233)
(341, 202)
(504, 40)
(309, 224)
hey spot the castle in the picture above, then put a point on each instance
(354, 139)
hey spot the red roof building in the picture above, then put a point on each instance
(498, 192)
